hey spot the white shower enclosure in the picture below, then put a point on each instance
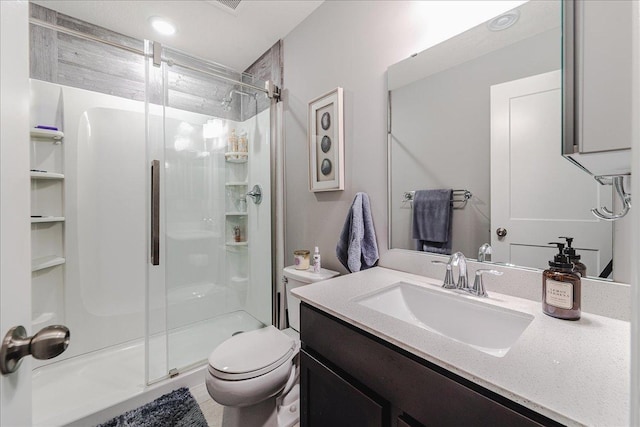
(135, 322)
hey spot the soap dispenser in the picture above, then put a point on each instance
(570, 252)
(561, 287)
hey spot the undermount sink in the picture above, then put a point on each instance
(482, 326)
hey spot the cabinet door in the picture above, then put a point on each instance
(603, 47)
(329, 400)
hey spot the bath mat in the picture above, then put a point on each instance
(175, 409)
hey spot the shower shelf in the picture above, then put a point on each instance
(56, 135)
(236, 184)
(236, 157)
(46, 262)
(236, 214)
(47, 219)
(237, 243)
(46, 175)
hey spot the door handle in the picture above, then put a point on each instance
(48, 343)
(155, 212)
(256, 194)
(501, 232)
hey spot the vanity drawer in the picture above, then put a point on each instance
(429, 394)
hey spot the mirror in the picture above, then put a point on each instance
(481, 114)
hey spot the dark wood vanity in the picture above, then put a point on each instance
(349, 377)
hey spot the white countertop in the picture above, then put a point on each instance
(575, 372)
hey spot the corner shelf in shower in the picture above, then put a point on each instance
(37, 220)
(237, 184)
(48, 182)
(237, 243)
(236, 156)
(46, 262)
(55, 135)
(46, 175)
(236, 214)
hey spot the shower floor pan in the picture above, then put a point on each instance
(72, 389)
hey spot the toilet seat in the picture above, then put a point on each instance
(251, 354)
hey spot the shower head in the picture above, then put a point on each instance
(227, 100)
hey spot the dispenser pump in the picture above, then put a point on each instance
(569, 251)
(574, 258)
(560, 260)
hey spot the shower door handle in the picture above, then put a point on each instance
(155, 212)
(48, 343)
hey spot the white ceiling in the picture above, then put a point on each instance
(204, 28)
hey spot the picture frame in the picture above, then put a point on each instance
(326, 142)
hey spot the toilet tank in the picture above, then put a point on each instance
(297, 278)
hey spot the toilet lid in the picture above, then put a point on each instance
(250, 354)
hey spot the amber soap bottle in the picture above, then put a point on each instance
(561, 287)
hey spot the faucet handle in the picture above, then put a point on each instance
(478, 286)
(483, 251)
(448, 282)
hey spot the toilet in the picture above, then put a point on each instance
(255, 374)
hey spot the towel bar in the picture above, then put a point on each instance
(460, 196)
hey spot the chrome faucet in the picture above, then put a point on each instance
(483, 251)
(456, 260)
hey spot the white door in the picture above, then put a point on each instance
(15, 252)
(536, 194)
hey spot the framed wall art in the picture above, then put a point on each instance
(326, 142)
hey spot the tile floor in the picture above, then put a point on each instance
(212, 410)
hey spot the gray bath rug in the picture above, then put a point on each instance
(176, 409)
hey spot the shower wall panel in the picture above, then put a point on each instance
(266, 68)
(102, 300)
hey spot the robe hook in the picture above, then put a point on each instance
(617, 182)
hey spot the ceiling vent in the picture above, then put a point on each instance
(230, 6)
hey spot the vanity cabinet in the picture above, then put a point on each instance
(351, 378)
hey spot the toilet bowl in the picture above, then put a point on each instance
(255, 374)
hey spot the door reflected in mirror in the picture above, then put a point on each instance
(482, 112)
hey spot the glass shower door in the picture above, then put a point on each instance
(214, 274)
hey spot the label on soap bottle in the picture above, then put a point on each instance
(559, 294)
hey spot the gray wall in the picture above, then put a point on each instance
(348, 44)
(351, 44)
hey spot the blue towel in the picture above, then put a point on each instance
(357, 248)
(432, 220)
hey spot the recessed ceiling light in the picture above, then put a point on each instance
(162, 26)
(504, 21)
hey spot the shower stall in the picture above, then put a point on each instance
(157, 208)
